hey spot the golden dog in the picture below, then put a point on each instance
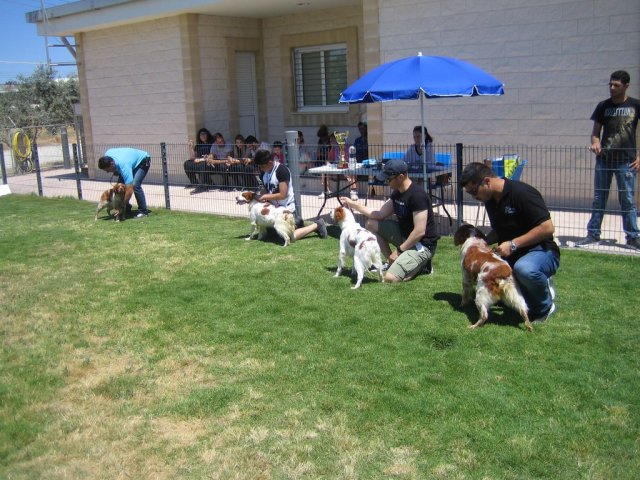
(113, 199)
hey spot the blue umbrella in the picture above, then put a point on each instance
(421, 76)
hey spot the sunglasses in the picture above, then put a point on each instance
(473, 191)
(388, 180)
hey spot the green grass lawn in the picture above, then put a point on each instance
(169, 347)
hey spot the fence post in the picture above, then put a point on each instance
(165, 175)
(36, 163)
(294, 166)
(459, 192)
(64, 139)
(76, 166)
(2, 165)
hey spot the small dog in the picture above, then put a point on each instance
(491, 275)
(113, 199)
(356, 242)
(265, 215)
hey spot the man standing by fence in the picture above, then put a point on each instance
(616, 154)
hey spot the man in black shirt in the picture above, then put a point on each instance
(616, 119)
(523, 230)
(413, 235)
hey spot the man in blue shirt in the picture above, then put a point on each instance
(132, 166)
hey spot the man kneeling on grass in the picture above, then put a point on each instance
(414, 234)
(277, 189)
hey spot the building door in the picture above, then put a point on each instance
(247, 94)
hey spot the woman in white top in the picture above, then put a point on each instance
(413, 157)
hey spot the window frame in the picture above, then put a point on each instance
(296, 60)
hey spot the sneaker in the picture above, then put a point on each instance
(552, 290)
(634, 243)
(385, 267)
(322, 228)
(588, 240)
(543, 318)
(321, 196)
(142, 214)
(354, 196)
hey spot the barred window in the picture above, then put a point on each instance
(320, 76)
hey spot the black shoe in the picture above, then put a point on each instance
(634, 243)
(198, 189)
(322, 228)
(428, 268)
(588, 240)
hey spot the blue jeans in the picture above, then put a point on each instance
(138, 176)
(626, 179)
(532, 271)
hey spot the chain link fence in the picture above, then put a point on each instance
(564, 176)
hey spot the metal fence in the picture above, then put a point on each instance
(564, 176)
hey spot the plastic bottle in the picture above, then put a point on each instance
(352, 158)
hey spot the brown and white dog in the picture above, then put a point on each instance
(113, 199)
(490, 274)
(265, 215)
(356, 242)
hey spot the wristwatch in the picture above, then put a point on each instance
(514, 247)
(399, 250)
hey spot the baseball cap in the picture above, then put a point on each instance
(391, 168)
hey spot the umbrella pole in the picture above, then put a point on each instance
(424, 143)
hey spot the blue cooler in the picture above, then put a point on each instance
(497, 165)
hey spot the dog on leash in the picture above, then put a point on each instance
(356, 242)
(113, 199)
(264, 215)
(487, 275)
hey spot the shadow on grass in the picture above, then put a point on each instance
(498, 315)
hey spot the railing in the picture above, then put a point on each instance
(563, 175)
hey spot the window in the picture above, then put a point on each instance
(320, 76)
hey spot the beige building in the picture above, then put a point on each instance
(157, 70)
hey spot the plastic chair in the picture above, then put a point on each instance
(386, 156)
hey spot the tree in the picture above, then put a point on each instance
(38, 100)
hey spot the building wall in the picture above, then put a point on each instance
(280, 35)
(135, 83)
(219, 39)
(161, 80)
(554, 56)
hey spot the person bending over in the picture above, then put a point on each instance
(132, 166)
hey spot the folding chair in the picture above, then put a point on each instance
(441, 181)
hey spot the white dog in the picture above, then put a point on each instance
(265, 215)
(356, 242)
(488, 274)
